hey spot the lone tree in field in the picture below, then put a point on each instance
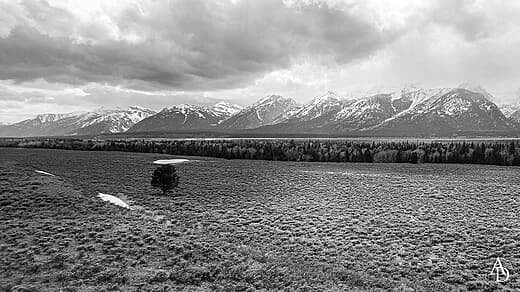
(165, 177)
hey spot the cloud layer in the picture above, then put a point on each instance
(182, 44)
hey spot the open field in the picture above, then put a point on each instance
(245, 225)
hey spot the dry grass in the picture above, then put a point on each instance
(250, 225)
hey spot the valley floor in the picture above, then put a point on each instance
(243, 225)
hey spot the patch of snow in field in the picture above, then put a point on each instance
(44, 172)
(170, 161)
(113, 200)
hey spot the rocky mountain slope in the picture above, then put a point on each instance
(512, 112)
(78, 123)
(266, 111)
(411, 111)
(444, 113)
(515, 116)
(225, 109)
(408, 112)
(111, 120)
(186, 117)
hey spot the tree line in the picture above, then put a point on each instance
(488, 152)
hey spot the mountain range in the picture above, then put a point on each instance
(187, 117)
(268, 110)
(101, 121)
(465, 110)
(411, 112)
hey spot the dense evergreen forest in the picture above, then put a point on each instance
(489, 152)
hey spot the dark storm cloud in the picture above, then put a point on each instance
(184, 44)
(27, 54)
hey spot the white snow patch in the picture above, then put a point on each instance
(258, 116)
(113, 200)
(44, 172)
(170, 161)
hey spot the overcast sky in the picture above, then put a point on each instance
(61, 56)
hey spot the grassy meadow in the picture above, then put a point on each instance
(248, 225)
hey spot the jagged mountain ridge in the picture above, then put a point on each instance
(512, 112)
(187, 117)
(410, 111)
(332, 113)
(458, 110)
(78, 123)
(266, 111)
(225, 109)
(315, 115)
(112, 120)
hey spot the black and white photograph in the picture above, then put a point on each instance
(259, 145)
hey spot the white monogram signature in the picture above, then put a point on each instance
(502, 273)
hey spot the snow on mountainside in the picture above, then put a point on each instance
(78, 123)
(447, 112)
(409, 98)
(365, 112)
(318, 107)
(226, 109)
(315, 115)
(178, 117)
(410, 111)
(111, 120)
(187, 117)
(283, 117)
(509, 109)
(331, 113)
(261, 113)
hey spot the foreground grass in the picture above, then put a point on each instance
(242, 227)
(55, 237)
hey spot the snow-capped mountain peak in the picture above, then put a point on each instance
(187, 110)
(112, 120)
(327, 97)
(226, 109)
(319, 106)
(269, 100)
(263, 112)
(185, 117)
(509, 109)
(445, 110)
(409, 111)
(102, 120)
